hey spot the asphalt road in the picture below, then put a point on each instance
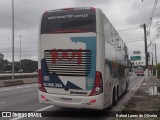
(25, 98)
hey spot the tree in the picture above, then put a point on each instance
(16, 66)
(158, 70)
(4, 65)
(29, 65)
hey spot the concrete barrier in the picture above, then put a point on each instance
(13, 82)
(18, 81)
(4, 83)
(8, 77)
(30, 80)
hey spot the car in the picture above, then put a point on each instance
(140, 71)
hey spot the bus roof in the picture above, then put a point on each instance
(77, 8)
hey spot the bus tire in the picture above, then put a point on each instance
(126, 90)
(117, 93)
(114, 97)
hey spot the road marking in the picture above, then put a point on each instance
(28, 90)
(2, 102)
(18, 87)
(140, 80)
(45, 108)
(15, 88)
(42, 109)
(4, 89)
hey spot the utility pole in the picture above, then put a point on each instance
(145, 41)
(12, 39)
(156, 54)
(152, 63)
(152, 59)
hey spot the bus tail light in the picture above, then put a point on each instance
(98, 84)
(92, 8)
(40, 82)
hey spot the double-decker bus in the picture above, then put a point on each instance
(83, 62)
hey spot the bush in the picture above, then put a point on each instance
(158, 71)
(154, 70)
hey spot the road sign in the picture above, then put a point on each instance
(136, 52)
(135, 58)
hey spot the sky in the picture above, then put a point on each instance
(125, 15)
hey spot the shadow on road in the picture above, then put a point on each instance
(66, 112)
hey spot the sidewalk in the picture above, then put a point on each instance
(147, 98)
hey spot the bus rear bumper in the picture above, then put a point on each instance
(88, 102)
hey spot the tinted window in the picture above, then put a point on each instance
(69, 21)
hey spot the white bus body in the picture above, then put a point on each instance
(82, 60)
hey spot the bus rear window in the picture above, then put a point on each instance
(69, 21)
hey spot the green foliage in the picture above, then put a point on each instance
(158, 71)
(5, 65)
(26, 66)
(29, 65)
(154, 70)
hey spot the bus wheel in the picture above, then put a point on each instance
(126, 90)
(117, 93)
(114, 97)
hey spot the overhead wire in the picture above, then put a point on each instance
(152, 14)
(130, 28)
(134, 41)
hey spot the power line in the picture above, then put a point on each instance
(134, 41)
(154, 38)
(152, 14)
(125, 29)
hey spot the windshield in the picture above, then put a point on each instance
(69, 21)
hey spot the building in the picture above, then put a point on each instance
(137, 59)
(1, 56)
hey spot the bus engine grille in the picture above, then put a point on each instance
(68, 62)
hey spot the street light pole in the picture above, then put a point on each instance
(12, 39)
(20, 55)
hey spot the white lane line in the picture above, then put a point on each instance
(7, 89)
(45, 108)
(31, 86)
(135, 88)
(4, 89)
(2, 102)
(18, 87)
(42, 109)
(28, 90)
